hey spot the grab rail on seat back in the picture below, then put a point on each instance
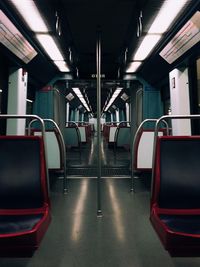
(61, 145)
(175, 195)
(122, 136)
(72, 124)
(135, 142)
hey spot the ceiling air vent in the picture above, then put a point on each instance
(14, 40)
(187, 37)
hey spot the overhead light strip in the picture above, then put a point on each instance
(166, 16)
(31, 15)
(112, 99)
(50, 46)
(81, 98)
(37, 24)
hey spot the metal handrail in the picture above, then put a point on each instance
(134, 144)
(166, 117)
(35, 117)
(65, 181)
(139, 91)
(77, 131)
(59, 104)
(116, 133)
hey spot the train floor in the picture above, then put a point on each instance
(83, 162)
(122, 237)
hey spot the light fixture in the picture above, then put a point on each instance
(31, 15)
(133, 66)
(167, 14)
(37, 24)
(49, 46)
(112, 99)
(147, 45)
(124, 97)
(62, 65)
(81, 98)
(70, 96)
(53, 51)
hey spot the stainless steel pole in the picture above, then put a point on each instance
(98, 62)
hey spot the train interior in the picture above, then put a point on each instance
(99, 133)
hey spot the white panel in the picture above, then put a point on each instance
(127, 112)
(82, 134)
(180, 104)
(17, 92)
(117, 115)
(94, 122)
(67, 112)
(53, 150)
(145, 150)
(112, 134)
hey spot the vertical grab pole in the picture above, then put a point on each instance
(98, 62)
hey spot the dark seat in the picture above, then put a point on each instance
(175, 203)
(24, 202)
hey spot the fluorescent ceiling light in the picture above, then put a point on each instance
(147, 45)
(133, 66)
(62, 65)
(168, 12)
(76, 90)
(30, 14)
(114, 96)
(166, 16)
(81, 98)
(50, 46)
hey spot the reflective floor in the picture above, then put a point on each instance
(122, 237)
(84, 162)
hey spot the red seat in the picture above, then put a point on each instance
(175, 203)
(24, 201)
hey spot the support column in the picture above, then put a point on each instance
(98, 62)
(127, 112)
(17, 93)
(67, 112)
(117, 115)
(180, 103)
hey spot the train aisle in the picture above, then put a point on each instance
(84, 164)
(122, 237)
